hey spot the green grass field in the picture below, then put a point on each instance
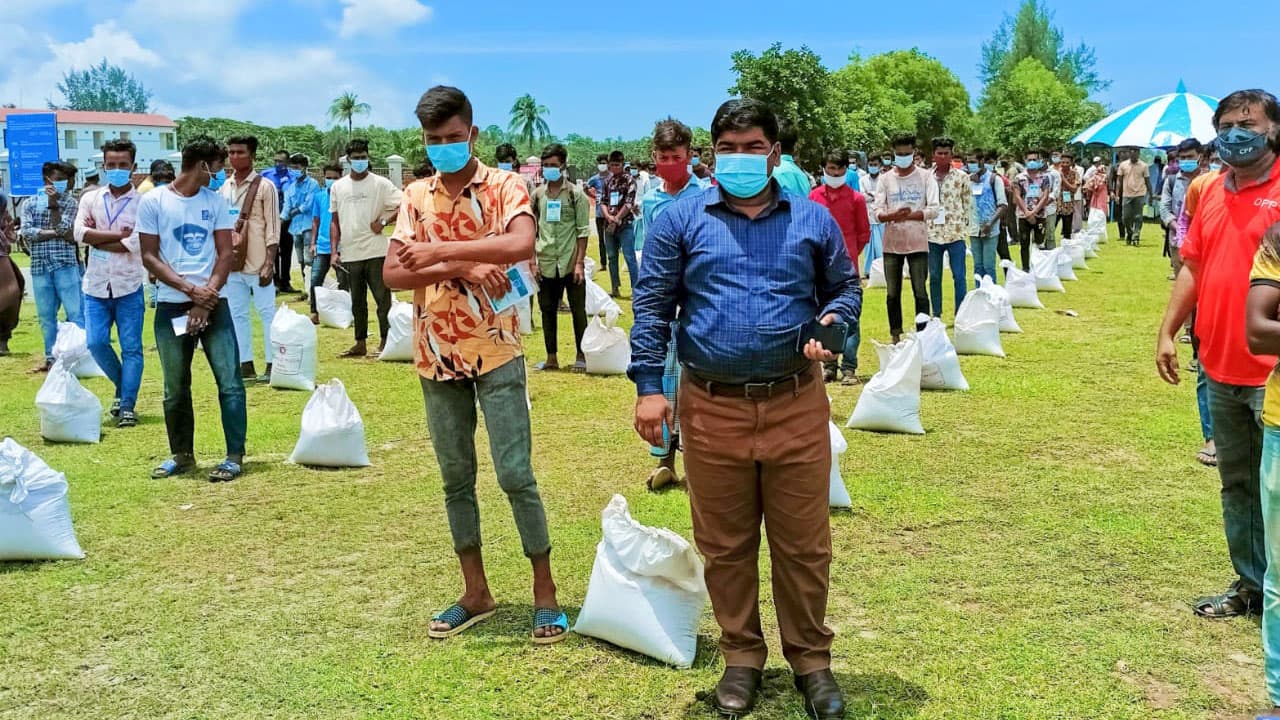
(1032, 556)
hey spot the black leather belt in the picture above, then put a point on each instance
(753, 390)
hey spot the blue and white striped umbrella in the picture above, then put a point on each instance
(1157, 122)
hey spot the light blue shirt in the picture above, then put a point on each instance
(320, 209)
(298, 199)
(657, 199)
(791, 178)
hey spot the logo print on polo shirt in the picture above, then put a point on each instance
(192, 237)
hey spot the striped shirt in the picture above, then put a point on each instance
(50, 254)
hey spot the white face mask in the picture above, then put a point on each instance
(602, 167)
(904, 161)
(833, 181)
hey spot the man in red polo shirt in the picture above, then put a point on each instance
(849, 208)
(1235, 210)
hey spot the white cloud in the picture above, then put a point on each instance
(41, 62)
(372, 16)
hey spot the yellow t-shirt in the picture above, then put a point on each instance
(1266, 271)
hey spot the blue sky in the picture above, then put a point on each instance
(607, 70)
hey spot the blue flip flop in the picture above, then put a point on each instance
(459, 621)
(546, 617)
(225, 472)
(169, 468)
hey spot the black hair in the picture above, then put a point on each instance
(47, 169)
(696, 151)
(787, 135)
(202, 149)
(440, 103)
(299, 159)
(283, 152)
(975, 153)
(424, 169)
(357, 145)
(837, 158)
(1240, 98)
(1189, 145)
(942, 141)
(617, 156)
(1039, 153)
(992, 155)
(744, 114)
(248, 141)
(332, 167)
(118, 145)
(556, 150)
(161, 171)
(903, 139)
(506, 152)
(602, 158)
(671, 134)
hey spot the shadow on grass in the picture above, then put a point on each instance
(866, 695)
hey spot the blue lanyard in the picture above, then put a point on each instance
(111, 219)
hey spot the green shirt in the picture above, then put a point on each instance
(558, 239)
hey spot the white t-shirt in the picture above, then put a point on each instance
(185, 226)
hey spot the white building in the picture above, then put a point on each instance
(81, 134)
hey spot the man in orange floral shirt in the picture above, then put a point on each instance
(457, 233)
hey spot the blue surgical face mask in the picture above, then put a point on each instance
(1188, 166)
(505, 166)
(742, 175)
(328, 182)
(118, 177)
(360, 166)
(59, 186)
(161, 184)
(873, 170)
(1241, 146)
(216, 179)
(634, 172)
(696, 161)
(450, 157)
(551, 174)
(1215, 166)
(904, 161)
(972, 167)
(1035, 164)
(989, 167)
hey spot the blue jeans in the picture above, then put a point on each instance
(176, 353)
(849, 358)
(451, 420)
(59, 288)
(622, 240)
(126, 313)
(955, 253)
(1270, 492)
(875, 248)
(1202, 403)
(984, 257)
(1237, 426)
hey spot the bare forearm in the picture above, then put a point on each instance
(1181, 301)
(98, 238)
(114, 246)
(399, 278)
(496, 250)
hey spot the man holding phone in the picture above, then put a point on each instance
(743, 268)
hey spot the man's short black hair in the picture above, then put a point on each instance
(299, 159)
(118, 145)
(51, 167)
(440, 103)
(424, 170)
(202, 149)
(787, 136)
(506, 152)
(1035, 151)
(617, 156)
(942, 141)
(285, 153)
(671, 134)
(602, 158)
(903, 140)
(333, 167)
(837, 158)
(357, 145)
(697, 150)
(743, 114)
(556, 150)
(249, 141)
(161, 171)
(978, 153)
(1189, 145)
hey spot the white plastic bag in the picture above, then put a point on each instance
(1076, 251)
(589, 267)
(1063, 259)
(646, 591)
(334, 308)
(978, 325)
(399, 347)
(600, 304)
(332, 430)
(1007, 322)
(940, 366)
(877, 274)
(838, 496)
(1021, 287)
(607, 349)
(524, 316)
(72, 345)
(1097, 224)
(890, 401)
(295, 344)
(68, 412)
(35, 518)
(1044, 268)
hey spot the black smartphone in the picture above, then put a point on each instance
(831, 336)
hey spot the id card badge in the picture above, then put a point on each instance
(1033, 191)
(977, 188)
(1066, 197)
(615, 198)
(942, 217)
(553, 211)
(99, 255)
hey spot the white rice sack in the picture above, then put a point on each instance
(1065, 271)
(1076, 251)
(1021, 287)
(68, 412)
(72, 346)
(399, 346)
(600, 304)
(1044, 268)
(838, 495)
(295, 341)
(646, 591)
(35, 518)
(332, 430)
(1007, 322)
(877, 274)
(978, 325)
(890, 401)
(940, 366)
(334, 308)
(607, 349)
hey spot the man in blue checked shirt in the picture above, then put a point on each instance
(749, 266)
(299, 201)
(48, 228)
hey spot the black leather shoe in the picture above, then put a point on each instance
(822, 697)
(736, 691)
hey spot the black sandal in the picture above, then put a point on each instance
(1231, 603)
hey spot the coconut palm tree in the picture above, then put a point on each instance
(345, 107)
(527, 121)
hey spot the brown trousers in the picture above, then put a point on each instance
(771, 459)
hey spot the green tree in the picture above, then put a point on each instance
(1032, 34)
(1031, 107)
(102, 87)
(797, 86)
(929, 93)
(871, 112)
(528, 122)
(345, 107)
(333, 143)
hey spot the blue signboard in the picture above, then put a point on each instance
(32, 140)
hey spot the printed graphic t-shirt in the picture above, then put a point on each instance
(185, 226)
